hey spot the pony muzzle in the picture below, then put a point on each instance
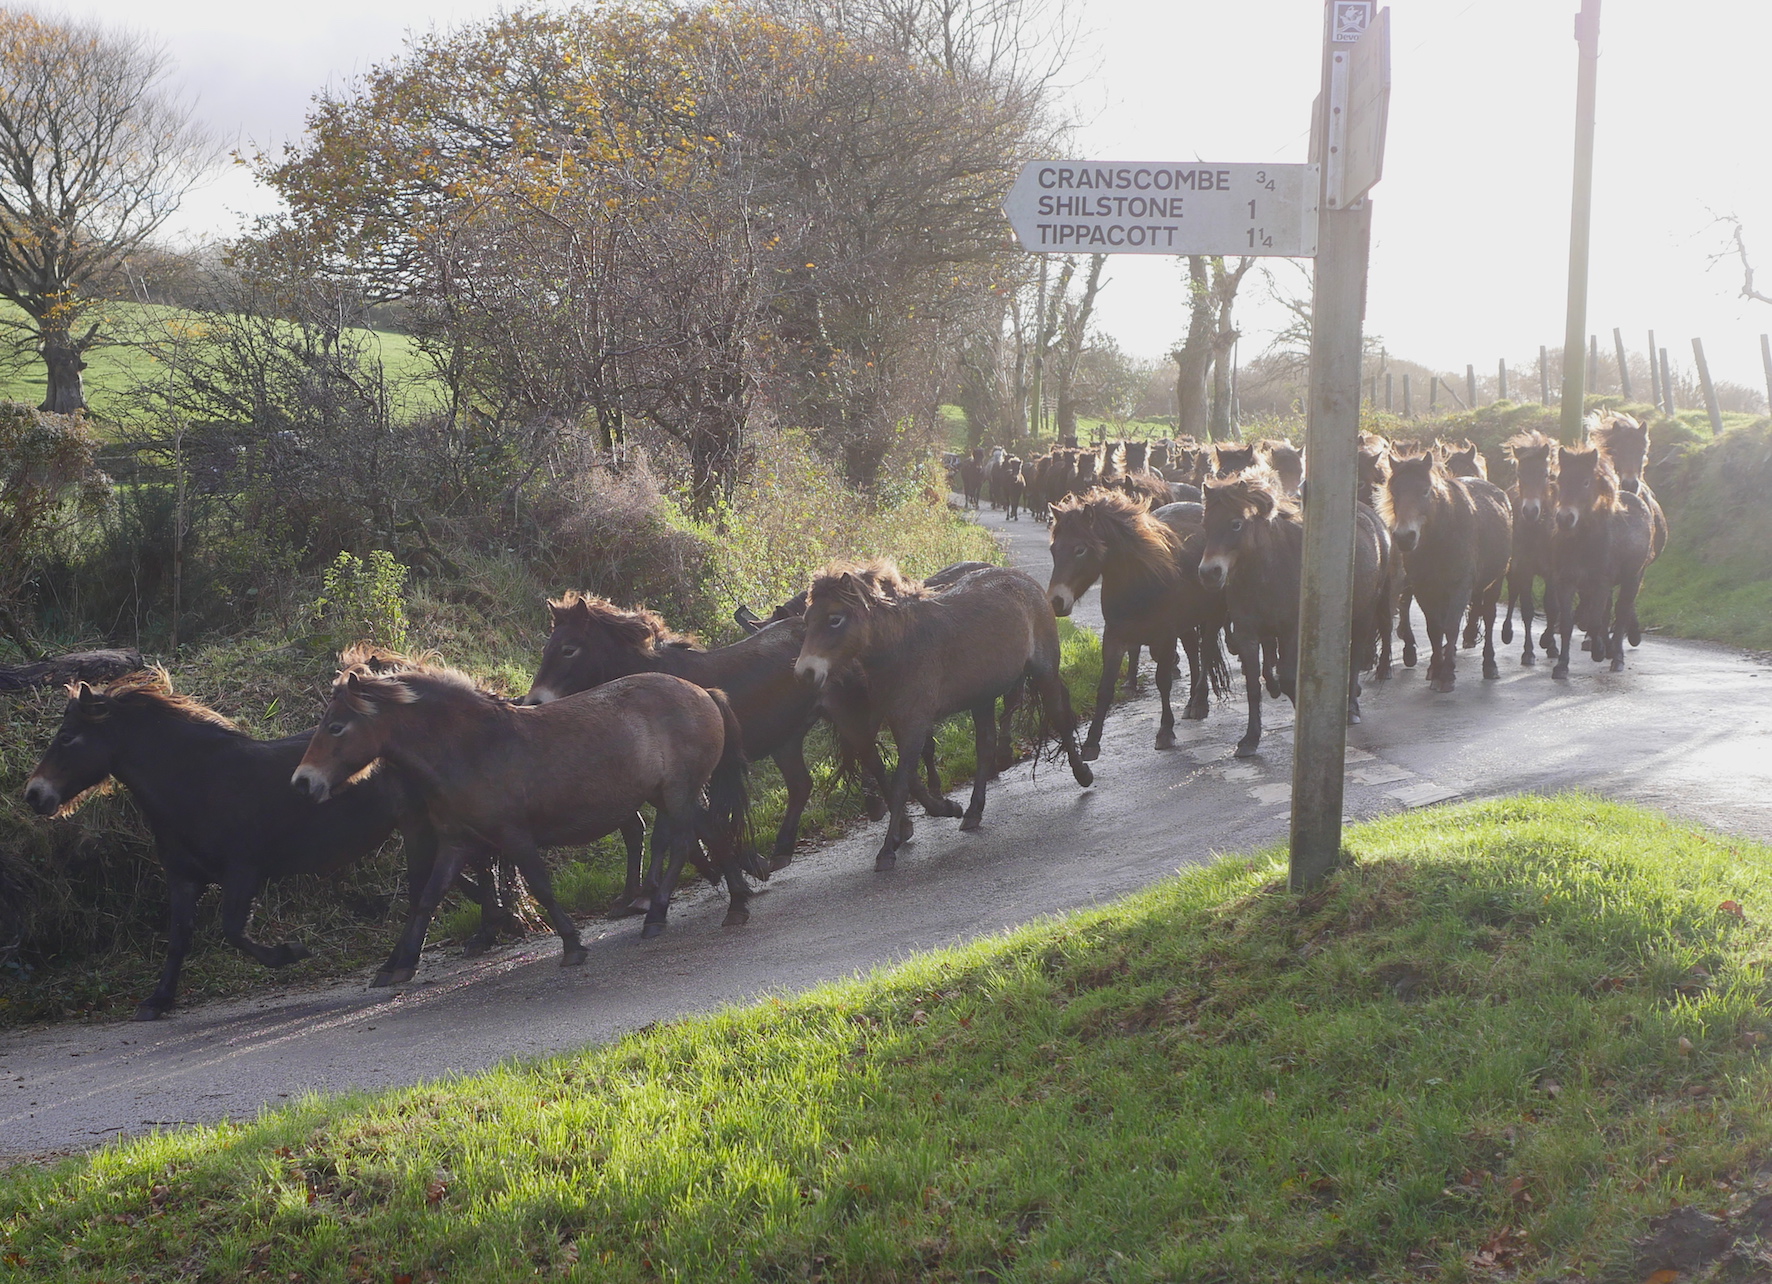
(1407, 537)
(311, 782)
(813, 670)
(1567, 518)
(1214, 571)
(1529, 509)
(538, 695)
(42, 797)
(1062, 601)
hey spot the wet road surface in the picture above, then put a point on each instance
(1687, 728)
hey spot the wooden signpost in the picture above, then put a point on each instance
(1295, 211)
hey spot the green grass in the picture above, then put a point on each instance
(116, 365)
(1496, 1046)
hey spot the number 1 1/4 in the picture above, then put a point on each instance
(1260, 237)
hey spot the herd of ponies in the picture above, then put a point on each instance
(1197, 551)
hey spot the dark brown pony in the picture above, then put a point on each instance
(1151, 595)
(1533, 497)
(1466, 461)
(1157, 457)
(1625, 443)
(1138, 454)
(593, 641)
(1603, 542)
(221, 811)
(926, 656)
(1254, 552)
(1229, 459)
(511, 780)
(972, 477)
(1286, 461)
(1014, 487)
(1452, 536)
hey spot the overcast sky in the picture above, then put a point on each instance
(1471, 223)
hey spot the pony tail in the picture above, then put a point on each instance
(729, 797)
(1218, 672)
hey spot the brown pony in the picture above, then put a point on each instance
(1452, 536)
(1533, 497)
(1286, 461)
(972, 477)
(926, 656)
(1229, 459)
(1625, 444)
(1603, 542)
(1014, 487)
(1466, 460)
(1254, 552)
(593, 641)
(1151, 595)
(510, 780)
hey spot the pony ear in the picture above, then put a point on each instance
(353, 682)
(92, 705)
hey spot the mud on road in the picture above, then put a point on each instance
(1687, 728)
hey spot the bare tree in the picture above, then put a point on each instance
(1225, 283)
(1193, 358)
(1737, 248)
(95, 155)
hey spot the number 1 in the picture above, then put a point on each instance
(1251, 209)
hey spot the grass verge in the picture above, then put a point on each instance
(1501, 1045)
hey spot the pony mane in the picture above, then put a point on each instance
(1114, 517)
(1254, 490)
(364, 688)
(152, 688)
(1532, 440)
(863, 586)
(640, 627)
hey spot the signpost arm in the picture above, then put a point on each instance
(1587, 32)
(1332, 429)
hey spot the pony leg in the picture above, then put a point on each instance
(1167, 666)
(403, 962)
(185, 892)
(1111, 651)
(1565, 625)
(1406, 627)
(1131, 686)
(1383, 671)
(898, 793)
(984, 739)
(1627, 614)
(236, 913)
(633, 898)
(1523, 593)
(1251, 661)
(1491, 600)
(1055, 697)
(671, 841)
(1012, 699)
(1270, 666)
(541, 886)
(791, 759)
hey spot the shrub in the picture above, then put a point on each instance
(361, 600)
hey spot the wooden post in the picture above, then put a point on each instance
(1501, 379)
(1655, 376)
(1372, 396)
(1623, 365)
(1587, 34)
(1470, 384)
(1433, 395)
(1543, 376)
(1710, 389)
(1325, 602)
(178, 533)
(1388, 380)
(1593, 362)
(1766, 361)
(1667, 382)
(1408, 408)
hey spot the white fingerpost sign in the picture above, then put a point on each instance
(1187, 207)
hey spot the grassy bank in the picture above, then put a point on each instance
(82, 899)
(1497, 1047)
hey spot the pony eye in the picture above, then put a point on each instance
(65, 738)
(1081, 550)
(568, 651)
(336, 729)
(836, 622)
(1237, 524)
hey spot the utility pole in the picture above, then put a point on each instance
(1587, 35)
(1332, 431)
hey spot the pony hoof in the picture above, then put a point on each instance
(970, 822)
(1618, 666)
(1353, 717)
(149, 1012)
(1561, 671)
(781, 862)
(1085, 777)
(652, 929)
(1491, 669)
(391, 977)
(736, 917)
(289, 952)
(876, 809)
(1247, 750)
(885, 861)
(474, 949)
(1165, 740)
(1528, 660)
(627, 909)
(1507, 633)
(906, 831)
(574, 956)
(1090, 752)
(1273, 688)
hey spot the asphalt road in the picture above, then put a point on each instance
(1687, 727)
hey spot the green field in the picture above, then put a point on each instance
(118, 363)
(1501, 1045)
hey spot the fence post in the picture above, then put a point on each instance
(1710, 391)
(1667, 383)
(1623, 367)
(1593, 362)
(1581, 202)
(1766, 360)
(1433, 395)
(1389, 379)
(1543, 376)
(1501, 379)
(1470, 384)
(1654, 376)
